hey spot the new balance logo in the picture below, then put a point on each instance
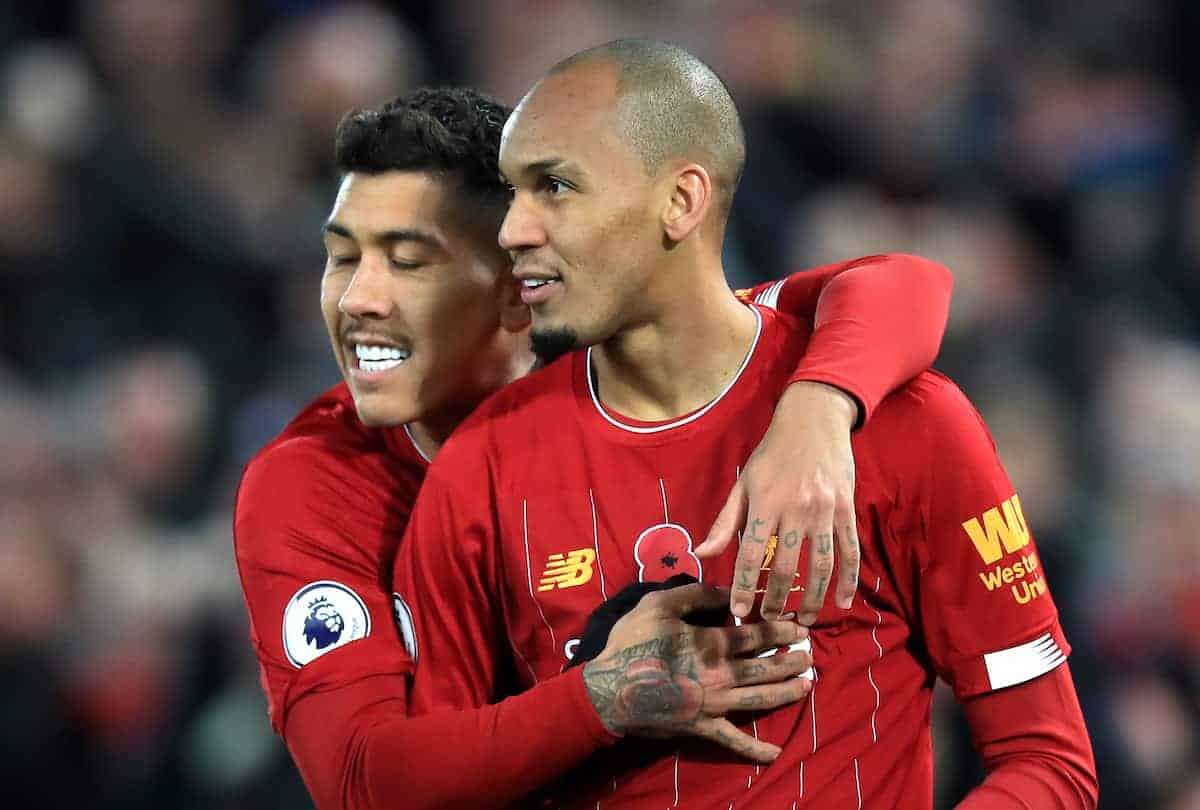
(999, 534)
(567, 571)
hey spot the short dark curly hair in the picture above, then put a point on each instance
(452, 132)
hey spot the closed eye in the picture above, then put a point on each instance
(555, 186)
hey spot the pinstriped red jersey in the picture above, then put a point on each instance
(328, 499)
(321, 510)
(544, 503)
(319, 514)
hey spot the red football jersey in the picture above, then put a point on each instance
(321, 510)
(544, 503)
(319, 514)
(326, 502)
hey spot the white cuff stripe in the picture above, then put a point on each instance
(770, 296)
(775, 292)
(1023, 662)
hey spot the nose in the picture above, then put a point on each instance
(368, 294)
(522, 227)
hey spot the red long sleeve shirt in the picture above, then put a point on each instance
(544, 503)
(320, 514)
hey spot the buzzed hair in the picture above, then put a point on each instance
(670, 104)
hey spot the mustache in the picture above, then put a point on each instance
(361, 330)
(522, 263)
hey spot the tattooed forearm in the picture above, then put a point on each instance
(648, 686)
(661, 677)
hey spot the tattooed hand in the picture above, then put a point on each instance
(798, 484)
(661, 677)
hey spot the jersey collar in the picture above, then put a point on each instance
(645, 428)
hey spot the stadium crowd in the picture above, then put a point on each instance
(165, 168)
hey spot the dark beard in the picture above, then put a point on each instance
(551, 344)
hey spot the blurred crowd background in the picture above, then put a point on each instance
(165, 166)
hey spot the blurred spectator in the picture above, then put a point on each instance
(51, 99)
(167, 168)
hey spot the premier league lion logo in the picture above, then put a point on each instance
(321, 617)
(324, 624)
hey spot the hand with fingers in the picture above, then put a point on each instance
(659, 676)
(797, 485)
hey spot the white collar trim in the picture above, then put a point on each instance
(692, 417)
(416, 446)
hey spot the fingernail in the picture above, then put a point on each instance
(791, 614)
(741, 609)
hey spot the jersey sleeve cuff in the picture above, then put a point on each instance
(865, 406)
(1010, 666)
(583, 709)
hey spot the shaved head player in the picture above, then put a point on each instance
(609, 462)
(425, 319)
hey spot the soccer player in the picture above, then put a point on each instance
(425, 319)
(599, 471)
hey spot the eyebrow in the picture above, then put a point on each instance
(551, 163)
(394, 235)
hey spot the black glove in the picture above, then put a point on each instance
(600, 623)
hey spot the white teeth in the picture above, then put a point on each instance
(368, 353)
(534, 283)
(378, 365)
(379, 358)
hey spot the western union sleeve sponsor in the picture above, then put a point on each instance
(1003, 531)
(999, 532)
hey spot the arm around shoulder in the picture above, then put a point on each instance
(878, 323)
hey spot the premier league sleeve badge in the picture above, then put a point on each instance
(321, 617)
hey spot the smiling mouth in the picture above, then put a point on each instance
(373, 358)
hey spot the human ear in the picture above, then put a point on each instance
(690, 198)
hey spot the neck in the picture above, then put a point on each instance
(430, 434)
(682, 357)
(432, 430)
